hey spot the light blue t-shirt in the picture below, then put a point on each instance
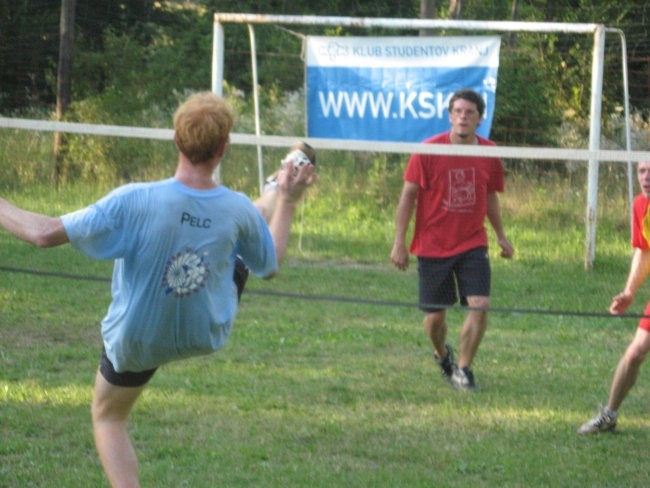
(173, 294)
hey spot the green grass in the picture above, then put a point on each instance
(324, 393)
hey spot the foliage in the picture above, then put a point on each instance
(523, 114)
(28, 53)
(147, 62)
(29, 43)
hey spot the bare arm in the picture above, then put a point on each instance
(37, 229)
(399, 254)
(639, 271)
(494, 216)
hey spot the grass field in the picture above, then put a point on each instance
(324, 393)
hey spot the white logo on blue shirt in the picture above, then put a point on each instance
(185, 273)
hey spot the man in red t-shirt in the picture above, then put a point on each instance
(451, 196)
(629, 365)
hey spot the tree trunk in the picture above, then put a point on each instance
(427, 11)
(514, 15)
(455, 7)
(63, 81)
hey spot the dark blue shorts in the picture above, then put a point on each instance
(442, 280)
(140, 378)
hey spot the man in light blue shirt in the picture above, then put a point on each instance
(182, 249)
(174, 249)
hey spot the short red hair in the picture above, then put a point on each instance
(202, 125)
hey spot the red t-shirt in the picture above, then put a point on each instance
(452, 199)
(640, 238)
(641, 222)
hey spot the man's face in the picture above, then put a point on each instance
(643, 173)
(464, 119)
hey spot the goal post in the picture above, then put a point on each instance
(598, 31)
(592, 154)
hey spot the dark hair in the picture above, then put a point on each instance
(306, 149)
(470, 96)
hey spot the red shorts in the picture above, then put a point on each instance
(644, 323)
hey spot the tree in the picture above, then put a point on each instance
(455, 7)
(427, 11)
(63, 79)
(514, 15)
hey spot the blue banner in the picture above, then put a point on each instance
(394, 88)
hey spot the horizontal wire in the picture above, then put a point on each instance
(361, 301)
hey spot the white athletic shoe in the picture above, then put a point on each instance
(299, 154)
(604, 421)
(463, 379)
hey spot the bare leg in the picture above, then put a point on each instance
(628, 368)
(110, 411)
(435, 329)
(473, 330)
(266, 204)
(290, 185)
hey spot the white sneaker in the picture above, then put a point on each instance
(463, 379)
(299, 154)
(604, 421)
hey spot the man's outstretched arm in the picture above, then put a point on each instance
(35, 228)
